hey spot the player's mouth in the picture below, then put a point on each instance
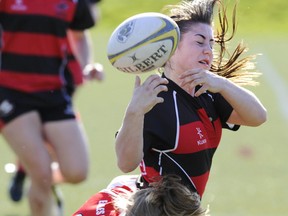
(205, 62)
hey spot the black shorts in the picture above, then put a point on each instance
(51, 105)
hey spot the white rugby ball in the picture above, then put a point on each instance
(143, 42)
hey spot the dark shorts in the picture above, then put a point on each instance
(51, 105)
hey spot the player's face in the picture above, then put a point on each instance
(195, 49)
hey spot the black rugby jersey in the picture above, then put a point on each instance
(35, 50)
(182, 134)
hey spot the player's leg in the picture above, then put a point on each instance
(70, 145)
(24, 135)
(16, 186)
(58, 178)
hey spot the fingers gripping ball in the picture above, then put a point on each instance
(143, 42)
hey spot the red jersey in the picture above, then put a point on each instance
(102, 203)
(35, 50)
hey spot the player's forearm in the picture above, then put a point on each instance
(129, 142)
(81, 43)
(249, 110)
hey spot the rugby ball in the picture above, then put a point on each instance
(143, 42)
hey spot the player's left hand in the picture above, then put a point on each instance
(208, 81)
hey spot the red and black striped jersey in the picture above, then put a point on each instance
(35, 49)
(182, 134)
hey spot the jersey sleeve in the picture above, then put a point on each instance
(83, 18)
(224, 110)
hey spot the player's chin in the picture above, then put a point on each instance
(204, 66)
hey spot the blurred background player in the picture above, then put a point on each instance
(41, 103)
(90, 71)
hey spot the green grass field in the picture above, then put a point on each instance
(250, 171)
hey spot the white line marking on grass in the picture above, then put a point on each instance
(276, 82)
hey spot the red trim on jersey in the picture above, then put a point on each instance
(150, 171)
(200, 182)
(26, 82)
(32, 44)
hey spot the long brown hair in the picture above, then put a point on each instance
(166, 197)
(231, 66)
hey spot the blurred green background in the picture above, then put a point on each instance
(250, 171)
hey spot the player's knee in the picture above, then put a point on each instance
(76, 176)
